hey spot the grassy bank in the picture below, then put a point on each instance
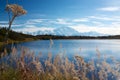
(14, 37)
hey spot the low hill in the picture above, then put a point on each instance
(14, 36)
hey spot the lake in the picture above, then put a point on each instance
(92, 59)
(70, 48)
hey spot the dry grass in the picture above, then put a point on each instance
(27, 66)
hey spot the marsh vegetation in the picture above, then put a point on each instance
(24, 65)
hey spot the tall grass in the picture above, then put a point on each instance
(27, 66)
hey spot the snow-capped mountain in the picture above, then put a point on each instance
(41, 32)
(92, 33)
(65, 31)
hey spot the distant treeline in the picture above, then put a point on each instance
(44, 37)
(17, 36)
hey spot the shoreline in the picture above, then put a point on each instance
(15, 42)
(3, 44)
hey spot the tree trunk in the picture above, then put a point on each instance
(7, 33)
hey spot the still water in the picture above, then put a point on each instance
(69, 48)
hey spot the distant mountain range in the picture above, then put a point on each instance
(66, 31)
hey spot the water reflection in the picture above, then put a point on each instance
(84, 48)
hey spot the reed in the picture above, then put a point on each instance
(27, 66)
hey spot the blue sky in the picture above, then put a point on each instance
(102, 16)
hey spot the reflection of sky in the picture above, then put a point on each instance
(84, 48)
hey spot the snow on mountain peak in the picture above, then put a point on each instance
(63, 31)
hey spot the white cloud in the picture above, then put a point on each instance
(115, 24)
(101, 18)
(81, 20)
(6, 24)
(34, 21)
(61, 21)
(105, 18)
(3, 22)
(102, 24)
(112, 2)
(32, 28)
(112, 30)
(98, 23)
(109, 9)
(17, 25)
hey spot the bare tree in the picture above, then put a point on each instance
(16, 11)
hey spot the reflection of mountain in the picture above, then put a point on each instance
(66, 31)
